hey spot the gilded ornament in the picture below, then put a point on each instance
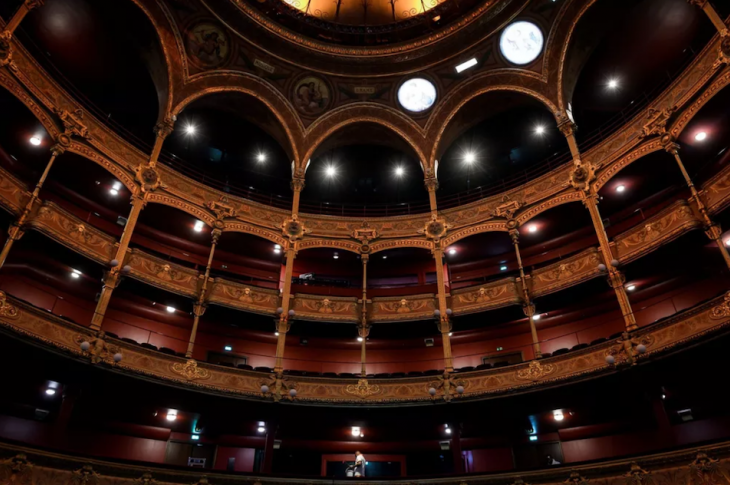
(16, 471)
(707, 471)
(657, 121)
(293, 228)
(279, 387)
(7, 310)
(436, 228)
(85, 476)
(100, 350)
(582, 175)
(535, 371)
(722, 310)
(190, 370)
(637, 475)
(222, 209)
(363, 390)
(575, 478)
(365, 233)
(145, 479)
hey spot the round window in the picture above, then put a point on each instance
(417, 94)
(521, 42)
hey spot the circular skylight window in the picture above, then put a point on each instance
(521, 42)
(417, 94)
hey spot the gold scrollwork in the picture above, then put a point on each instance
(7, 310)
(362, 389)
(190, 370)
(535, 371)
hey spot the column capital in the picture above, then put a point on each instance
(363, 330)
(514, 234)
(283, 325)
(528, 309)
(364, 257)
(58, 150)
(199, 309)
(671, 147)
(431, 183)
(297, 184)
(164, 128)
(33, 4)
(616, 278)
(713, 231)
(567, 127)
(215, 235)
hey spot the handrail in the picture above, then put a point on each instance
(371, 210)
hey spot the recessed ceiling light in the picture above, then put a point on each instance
(50, 392)
(701, 136)
(399, 171)
(503, 268)
(620, 188)
(35, 140)
(539, 130)
(113, 192)
(199, 226)
(190, 129)
(533, 437)
(261, 158)
(227, 348)
(466, 65)
(536, 317)
(359, 339)
(356, 431)
(171, 415)
(276, 333)
(75, 273)
(171, 309)
(386, 257)
(612, 83)
(336, 256)
(631, 287)
(261, 429)
(469, 158)
(558, 415)
(452, 251)
(532, 228)
(331, 171)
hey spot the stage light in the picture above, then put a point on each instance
(227, 348)
(261, 158)
(539, 130)
(190, 130)
(701, 136)
(452, 251)
(558, 415)
(469, 158)
(620, 188)
(612, 83)
(399, 171)
(199, 226)
(331, 171)
(35, 140)
(532, 228)
(466, 65)
(50, 392)
(171, 309)
(503, 268)
(631, 287)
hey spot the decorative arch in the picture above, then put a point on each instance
(176, 203)
(238, 226)
(568, 196)
(691, 111)
(523, 82)
(492, 226)
(262, 91)
(49, 124)
(87, 152)
(401, 243)
(614, 167)
(386, 116)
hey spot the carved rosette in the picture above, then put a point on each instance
(436, 228)
(293, 228)
(190, 370)
(7, 310)
(362, 389)
(722, 310)
(624, 352)
(16, 470)
(535, 372)
(6, 49)
(148, 177)
(582, 175)
(637, 475)
(656, 122)
(85, 476)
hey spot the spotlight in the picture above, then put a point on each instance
(277, 249)
(190, 130)
(356, 431)
(533, 437)
(399, 171)
(199, 226)
(612, 83)
(452, 251)
(261, 158)
(539, 130)
(171, 415)
(470, 158)
(195, 437)
(631, 288)
(276, 333)
(50, 392)
(701, 136)
(336, 256)
(171, 309)
(35, 140)
(331, 171)
(75, 274)
(536, 317)
(620, 188)
(503, 268)
(113, 192)
(558, 415)
(227, 348)
(359, 339)
(532, 228)
(448, 430)
(261, 429)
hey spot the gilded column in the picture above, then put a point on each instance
(712, 14)
(712, 230)
(432, 185)
(283, 324)
(200, 304)
(6, 35)
(297, 185)
(443, 311)
(529, 307)
(581, 178)
(16, 231)
(113, 276)
(363, 330)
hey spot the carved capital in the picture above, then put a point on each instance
(72, 126)
(566, 126)
(670, 146)
(297, 184)
(514, 234)
(436, 228)
(363, 330)
(58, 149)
(164, 128)
(723, 56)
(199, 309)
(148, 177)
(33, 4)
(582, 175)
(6, 48)
(616, 279)
(656, 121)
(293, 228)
(431, 183)
(215, 235)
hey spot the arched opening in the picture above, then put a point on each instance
(234, 142)
(496, 141)
(623, 54)
(116, 72)
(361, 167)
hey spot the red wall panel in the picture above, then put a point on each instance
(244, 458)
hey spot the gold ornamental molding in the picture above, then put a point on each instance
(669, 335)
